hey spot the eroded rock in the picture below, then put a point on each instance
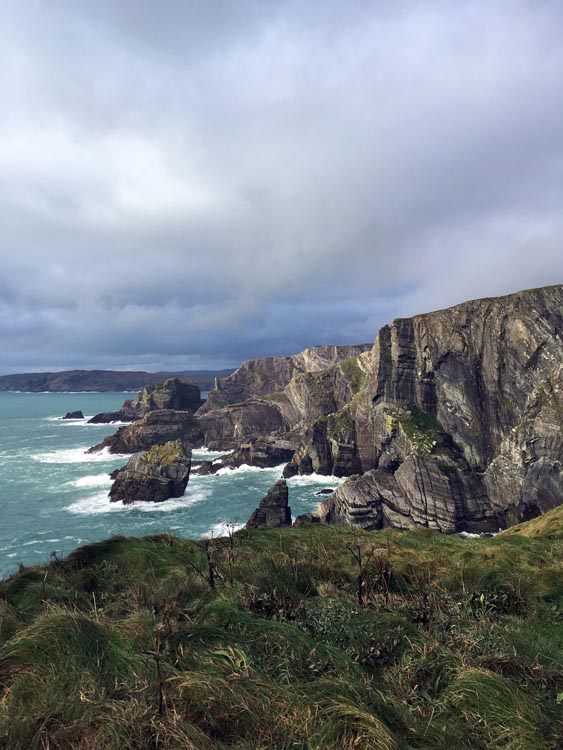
(273, 511)
(174, 393)
(153, 476)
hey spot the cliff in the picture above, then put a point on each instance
(453, 420)
(458, 423)
(260, 377)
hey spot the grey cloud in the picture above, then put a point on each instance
(195, 182)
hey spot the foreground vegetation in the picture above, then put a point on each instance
(311, 638)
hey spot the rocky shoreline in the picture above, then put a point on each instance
(451, 420)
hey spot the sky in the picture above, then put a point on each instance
(189, 184)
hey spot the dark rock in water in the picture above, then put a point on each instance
(74, 415)
(325, 491)
(273, 511)
(156, 428)
(153, 476)
(262, 453)
(204, 468)
(107, 417)
(172, 394)
(113, 474)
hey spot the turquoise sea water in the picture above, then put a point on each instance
(53, 496)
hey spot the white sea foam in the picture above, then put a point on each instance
(246, 469)
(81, 420)
(204, 454)
(95, 480)
(315, 480)
(99, 504)
(85, 422)
(221, 529)
(75, 456)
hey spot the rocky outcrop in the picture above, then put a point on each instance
(74, 415)
(278, 416)
(273, 511)
(172, 394)
(157, 428)
(153, 476)
(263, 453)
(453, 420)
(227, 428)
(459, 422)
(260, 377)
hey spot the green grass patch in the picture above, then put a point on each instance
(125, 644)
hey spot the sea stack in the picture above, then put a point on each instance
(153, 476)
(273, 511)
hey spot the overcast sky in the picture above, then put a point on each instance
(189, 184)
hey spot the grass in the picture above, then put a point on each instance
(124, 644)
(422, 429)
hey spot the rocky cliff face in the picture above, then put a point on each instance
(452, 420)
(260, 377)
(458, 424)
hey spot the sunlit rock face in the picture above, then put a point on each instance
(459, 422)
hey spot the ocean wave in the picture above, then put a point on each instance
(246, 469)
(80, 420)
(94, 480)
(315, 480)
(100, 504)
(85, 422)
(204, 454)
(76, 456)
(222, 529)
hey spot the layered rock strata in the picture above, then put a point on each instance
(260, 377)
(459, 422)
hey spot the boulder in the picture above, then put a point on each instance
(153, 476)
(273, 511)
(74, 415)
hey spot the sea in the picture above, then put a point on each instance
(54, 495)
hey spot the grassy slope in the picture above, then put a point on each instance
(458, 643)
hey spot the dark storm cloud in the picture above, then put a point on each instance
(193, 183)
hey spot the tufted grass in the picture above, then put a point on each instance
(124, 644)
